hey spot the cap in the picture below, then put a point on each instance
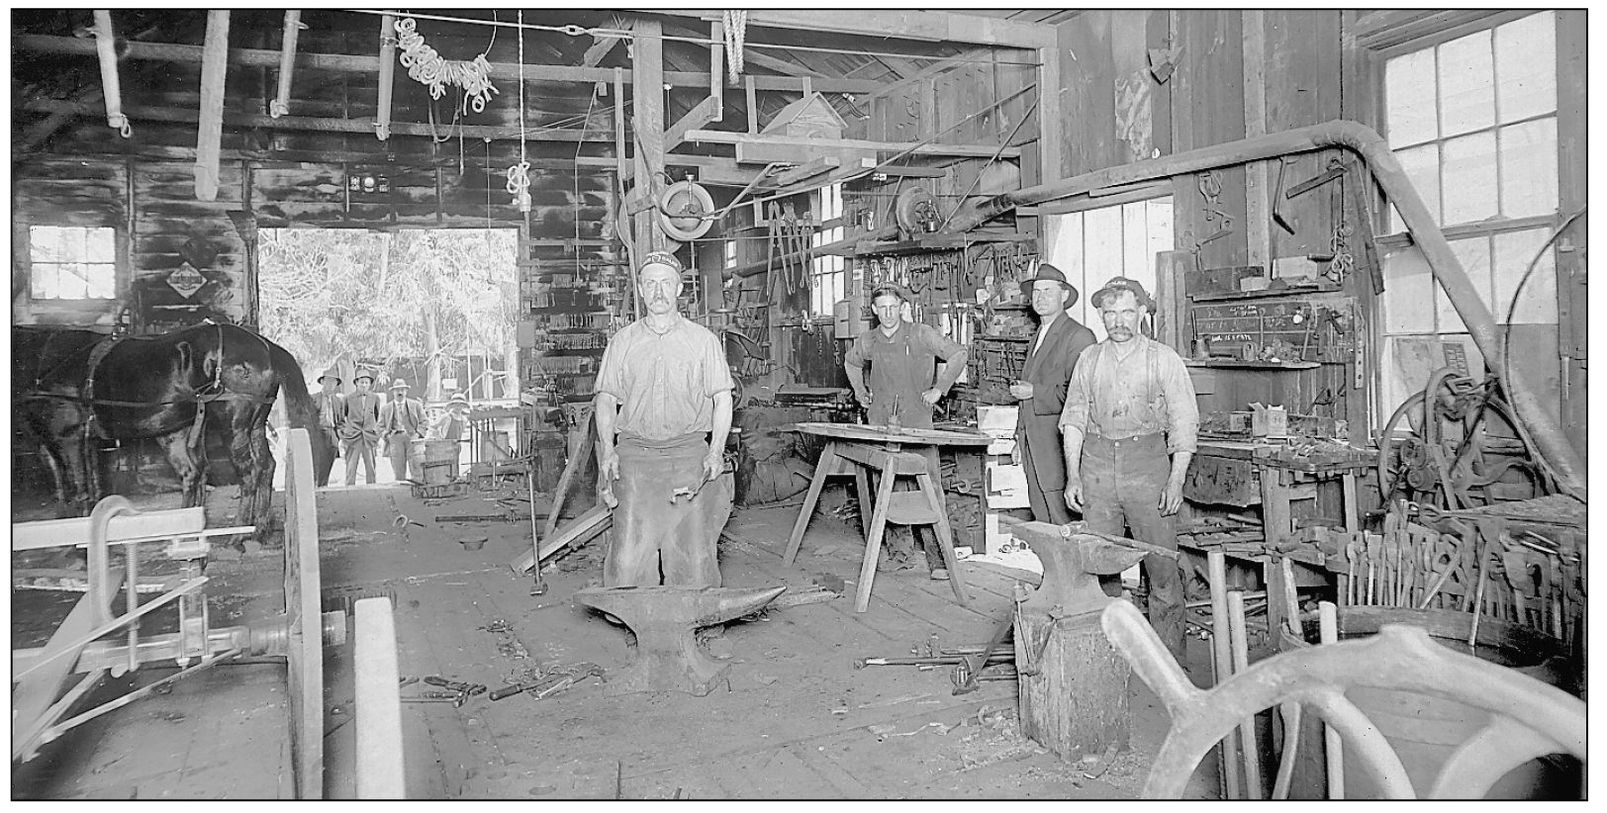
(891, 288)
(1047, 272)
(661, 258)
(1117, 285)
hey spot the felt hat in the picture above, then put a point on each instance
(399, 384)
(664, 258)
(1049, 273)
(330, 373)
(1117, 285)
(362, 374)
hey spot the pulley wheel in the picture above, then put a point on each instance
(684, 211)
(915, 211)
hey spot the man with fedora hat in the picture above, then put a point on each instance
(1130, 427)
(403, 421)
(904, 385)
(360, 432)
(663, 411)
(331, 403)
(1042, 391)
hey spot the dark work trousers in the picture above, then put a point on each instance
(1122, 484)
(651, 533)
(1047, 506)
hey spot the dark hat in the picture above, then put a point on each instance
(1117, 285)
(891, 288)
(1052, 274)
(362, 374)
(329, 373)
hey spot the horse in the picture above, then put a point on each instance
(71, 385)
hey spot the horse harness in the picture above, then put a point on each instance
(212, 391)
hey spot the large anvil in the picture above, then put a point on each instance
(1073, 559)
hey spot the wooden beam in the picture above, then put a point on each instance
(1256, 215)
(905, 24)
(214, 66)
(599, 49)
(700, 114)
(961, 150)
(912, 172)
(1050, 149)
(351, 63)
(751, 56)
(648, 126)
(939, 67)
(328, 125)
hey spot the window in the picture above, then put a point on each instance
(1473, 122)
(1094, 245)
(827, 276)
(72, 262)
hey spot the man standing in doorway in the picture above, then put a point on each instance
(361, 429)
(403, 421)
(663, 388)
(904, 386)
(1131, 425)
(1042, 391)
(331, 404)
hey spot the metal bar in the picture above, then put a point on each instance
(60, 728)
(102, 629)
(22, 746)
(287, 62)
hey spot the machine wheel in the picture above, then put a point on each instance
(684, 211)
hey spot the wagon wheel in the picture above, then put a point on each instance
(1528, 719)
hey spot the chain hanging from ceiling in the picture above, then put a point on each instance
(428, 67)
(735, 26)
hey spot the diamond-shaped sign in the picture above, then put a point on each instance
(186, 280)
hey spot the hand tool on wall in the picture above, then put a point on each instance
(1278, 199)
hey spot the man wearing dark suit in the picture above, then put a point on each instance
(1042, 391)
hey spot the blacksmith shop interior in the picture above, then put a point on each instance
(562, 404)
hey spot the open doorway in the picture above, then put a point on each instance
(434, 308)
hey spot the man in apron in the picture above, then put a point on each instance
(904, 385)
(663, 388)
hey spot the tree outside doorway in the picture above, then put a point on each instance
(409, 303)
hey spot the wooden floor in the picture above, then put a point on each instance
(798, 721)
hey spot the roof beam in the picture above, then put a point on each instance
(173, 52)
(963, 150)
(907, 24)
(751, 55)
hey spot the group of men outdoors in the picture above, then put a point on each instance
(357, 424)
(1106, 429)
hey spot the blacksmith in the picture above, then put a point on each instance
(360, 432)
(663, 408)
(905, 384)
(331, 404)
(1130, 427)
(1055, 349)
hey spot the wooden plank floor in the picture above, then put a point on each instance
(797, 722)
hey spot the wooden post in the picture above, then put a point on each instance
(1256, 215)
(379, 704)
(1221, 654)
(1328, 632)
(387, 75)
(1241, 661)
(1077, 703)
(648, 107)
(214, 65)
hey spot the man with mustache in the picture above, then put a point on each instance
(904, 385)
(1042, 391)
(1130, 427)
(663, 408)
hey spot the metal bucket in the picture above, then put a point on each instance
(1425, 730)
(436, 459)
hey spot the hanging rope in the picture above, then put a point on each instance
(519, 174)
(735, 25)
(428, 67)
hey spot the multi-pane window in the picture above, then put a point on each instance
(1473, 122)
(1094, 245)
(72, 262)
(827, 274)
